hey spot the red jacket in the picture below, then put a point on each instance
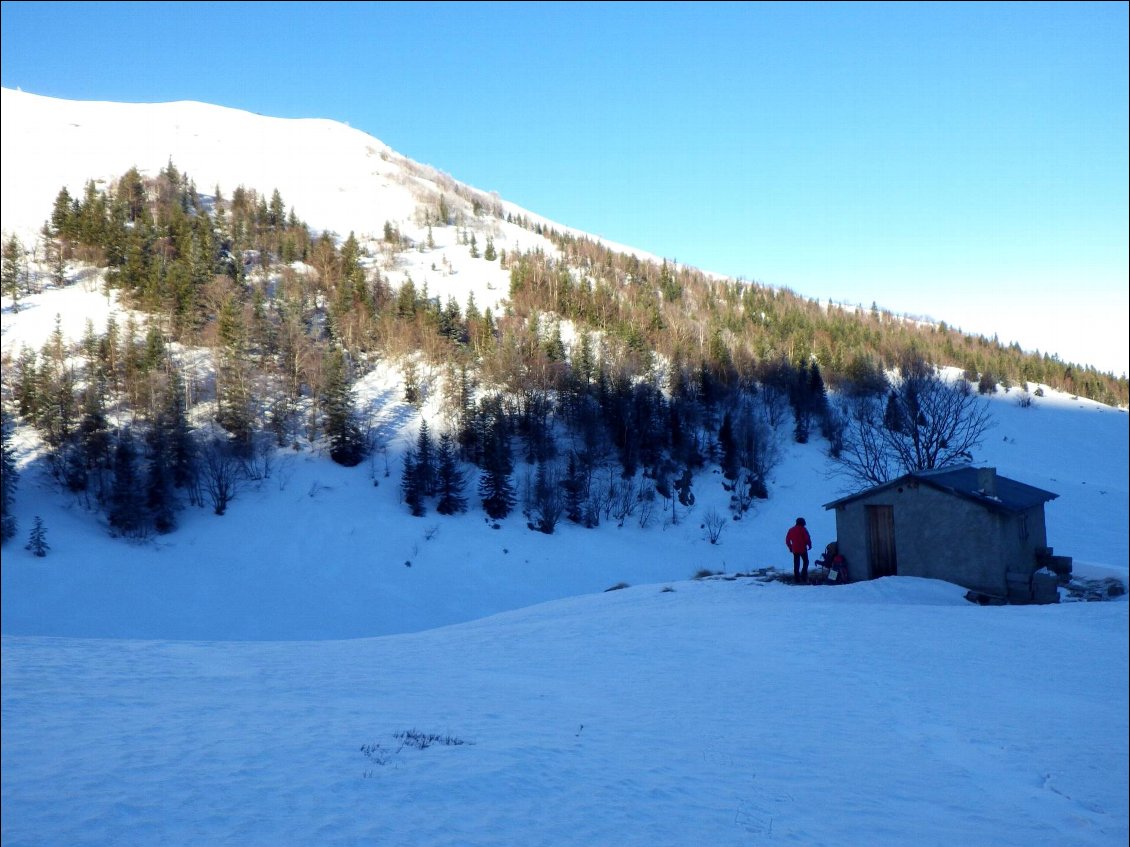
(798, 540)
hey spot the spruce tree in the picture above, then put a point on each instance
(468, 432)
(37, 540)
(8, 478)
(347, 443)
(234, 401)
(801, 397)
(126, 506)
(893, 415)
(26, 385)
(425, 460)
(62, 216)
(729, 447)
(683, 487)
(183, 457)
(410, 486)
(548, 503)
(158, 481)
(575, 490)
(450, 479)
(11, 270)
(412, 393)
(56, 258)
(91, 450)
(495, 486)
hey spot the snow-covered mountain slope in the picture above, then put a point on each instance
(334, 177)
(221, 685)
(319, 551)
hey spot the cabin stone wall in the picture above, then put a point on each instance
(939, 535)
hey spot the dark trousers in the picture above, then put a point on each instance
(798, 559)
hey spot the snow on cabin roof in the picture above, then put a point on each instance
(981, 485)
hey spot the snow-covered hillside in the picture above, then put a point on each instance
(334, 177)
(321, 551)
(257, 678)
(337, 176)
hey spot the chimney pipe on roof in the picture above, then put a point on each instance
(987, 481)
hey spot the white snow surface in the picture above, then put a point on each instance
(250, 679)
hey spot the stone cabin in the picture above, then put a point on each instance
(965, 525)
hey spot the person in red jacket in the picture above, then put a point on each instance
(799, 543)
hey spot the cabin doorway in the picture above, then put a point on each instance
(881, 540)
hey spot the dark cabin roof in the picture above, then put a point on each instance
(965, 481)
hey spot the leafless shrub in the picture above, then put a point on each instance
(713, 523)
(259, 461)
(646, 508)
(221, 473)
(625, 500)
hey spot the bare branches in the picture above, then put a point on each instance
(925, 423)
(222, 474)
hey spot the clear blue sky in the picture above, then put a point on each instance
(962, 161)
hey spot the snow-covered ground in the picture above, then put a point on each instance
(722, 713)
(276, 675)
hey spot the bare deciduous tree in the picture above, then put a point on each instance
(924, 423)
(222, 474)
(714, 523)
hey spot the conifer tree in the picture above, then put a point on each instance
(683, 487)
(495, 485)
(347, 443)
(547, 502)
(801, 396)
(90, 452)
(126, 506)
(158, 480)
(276, 217)
(233, 376)
(468, 431)
(62, 216)
(450, 479)
(179, 433)
(425, 460)
(11, 270)
(412, 392)
(410, 486)
(893, 415)
(37, 540)
(57, 259)
(816, 388)
(727, 443)
(802, 425)
(8, 479)
(451, 321)
(575, 490)
(25, 388)
(57, 405)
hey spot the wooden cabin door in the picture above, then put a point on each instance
(881, 540)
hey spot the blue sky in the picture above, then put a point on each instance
(966, 162)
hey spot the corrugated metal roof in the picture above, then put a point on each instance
(967, 481)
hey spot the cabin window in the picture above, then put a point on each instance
(1022, 523)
